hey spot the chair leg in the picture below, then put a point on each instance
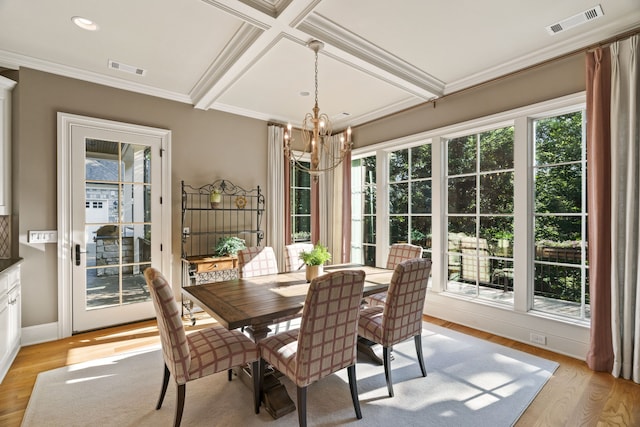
(257, 380)
(302, 406)
(418, 340)
(353, 386)
(229, 374)
(180, 405)
(165, 383)
(386, 359)
(261, 370)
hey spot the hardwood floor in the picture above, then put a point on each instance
(574, 396)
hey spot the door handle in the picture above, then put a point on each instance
(78, 252)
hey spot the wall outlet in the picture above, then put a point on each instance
(538, 338)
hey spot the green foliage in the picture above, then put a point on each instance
(317, 256)
(229, 246)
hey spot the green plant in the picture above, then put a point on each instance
(229, 246)
(317, 256)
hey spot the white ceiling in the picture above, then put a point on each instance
(249, 57)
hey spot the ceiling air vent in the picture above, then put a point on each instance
(575, 20)
(114, 65)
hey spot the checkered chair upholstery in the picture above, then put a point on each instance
(326, 340)
(257, 261)
(401, 316)
(292, 261)
(398, 252)
(198, 354)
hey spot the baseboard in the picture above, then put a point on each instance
(39, 333)
(560, 337)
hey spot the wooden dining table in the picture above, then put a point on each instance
(256, 303)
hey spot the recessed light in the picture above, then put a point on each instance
(84, 23)
(304, 93)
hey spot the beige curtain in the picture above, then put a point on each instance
(275, 192)
(334, 206)
(600, 355)
(625, 140)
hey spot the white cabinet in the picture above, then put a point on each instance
(6, 86)
(10, 317)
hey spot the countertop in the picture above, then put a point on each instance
(8, 263)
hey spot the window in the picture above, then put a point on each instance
(509, 193)
(560, 216)
(479, 215)
(410, 196)
(300, 198)
(363, 210)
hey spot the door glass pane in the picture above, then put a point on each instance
(117, 223)
(101, 162)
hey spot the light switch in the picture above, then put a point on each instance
(43, 236)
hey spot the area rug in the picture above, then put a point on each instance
(470, 382)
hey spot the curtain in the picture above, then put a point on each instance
(600, 354)
(334, 203)
(625, 277)
(345, 237)
(275, 192)
(286, 185)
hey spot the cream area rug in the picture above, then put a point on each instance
(469, 382)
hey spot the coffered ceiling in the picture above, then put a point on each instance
(249, 57)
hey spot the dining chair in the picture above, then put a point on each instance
(325, 342)
(398, 252)
(257, 261)
(200, 353)
(401, 316)
(292, 261)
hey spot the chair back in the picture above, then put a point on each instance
(399, 252)
(257, 261)
(292, 261)
(175, 348)
(402, 315)
(327, 339)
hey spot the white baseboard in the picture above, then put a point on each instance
(560, 337)
(39, 333)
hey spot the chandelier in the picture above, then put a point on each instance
(319, 154)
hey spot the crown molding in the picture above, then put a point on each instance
(567, 47)
(88, 76)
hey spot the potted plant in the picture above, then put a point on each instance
(229, 246)
(215, 197)
(315, 260)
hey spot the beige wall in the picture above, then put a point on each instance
(205, 145)
(552, 80)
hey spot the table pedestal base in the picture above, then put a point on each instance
(276, 400)
(366, 347)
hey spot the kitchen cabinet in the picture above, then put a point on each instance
(10, 317)
(6, 86)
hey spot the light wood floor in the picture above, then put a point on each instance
(574, 396)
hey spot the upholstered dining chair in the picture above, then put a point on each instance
(198, 354)
(398, 252)
(292, 261)
(257, 261)
(401, 316)
(326, 340)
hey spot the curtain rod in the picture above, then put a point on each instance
(603, 43)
